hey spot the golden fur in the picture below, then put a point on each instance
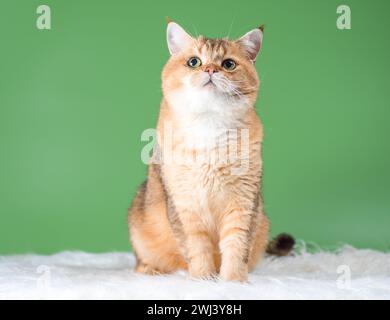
(199, 216)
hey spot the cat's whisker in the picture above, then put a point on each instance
(229, 87)
(230, 27)
(196, 31)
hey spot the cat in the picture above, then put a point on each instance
(202, 216)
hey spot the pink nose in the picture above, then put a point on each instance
(210, 70)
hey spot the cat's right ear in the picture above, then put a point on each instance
(177, 38)
(251, 42)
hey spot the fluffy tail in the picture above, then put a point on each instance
(281, 245)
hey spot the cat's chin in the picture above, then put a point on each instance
(214, 89)
(211, 88)
(213, 92)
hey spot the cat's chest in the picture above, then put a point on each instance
(201, 117)
(199, 185)
(205, 131)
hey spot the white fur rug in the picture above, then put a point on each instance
(345, 274)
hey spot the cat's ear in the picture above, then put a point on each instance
(251, 42)
(177, 38)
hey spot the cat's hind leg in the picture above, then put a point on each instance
(260, 242)
(151, 236)
(146, 269)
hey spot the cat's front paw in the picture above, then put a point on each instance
(202, 270)
(238, 272)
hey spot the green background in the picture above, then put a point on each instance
(74, 101)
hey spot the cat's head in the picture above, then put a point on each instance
(202, 67)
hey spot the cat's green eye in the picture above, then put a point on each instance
(194, 62)
(229, 64)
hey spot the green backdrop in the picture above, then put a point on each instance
(75, 99)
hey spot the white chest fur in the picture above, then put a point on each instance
(203, 116)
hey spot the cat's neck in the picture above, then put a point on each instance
(201, 119)
(207, 109)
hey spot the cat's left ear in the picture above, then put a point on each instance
(177, 38)
(251, 42)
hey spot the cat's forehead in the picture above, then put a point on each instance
(213, 49)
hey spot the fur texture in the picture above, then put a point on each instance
(200, 208)
(79, 275)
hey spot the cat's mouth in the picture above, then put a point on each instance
(209, 83)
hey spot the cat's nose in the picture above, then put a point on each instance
(211, 70)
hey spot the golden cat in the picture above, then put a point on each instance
(205, 215)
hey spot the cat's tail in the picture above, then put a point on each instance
(281, 245)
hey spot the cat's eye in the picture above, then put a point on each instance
(229, 64)
(194, 62)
